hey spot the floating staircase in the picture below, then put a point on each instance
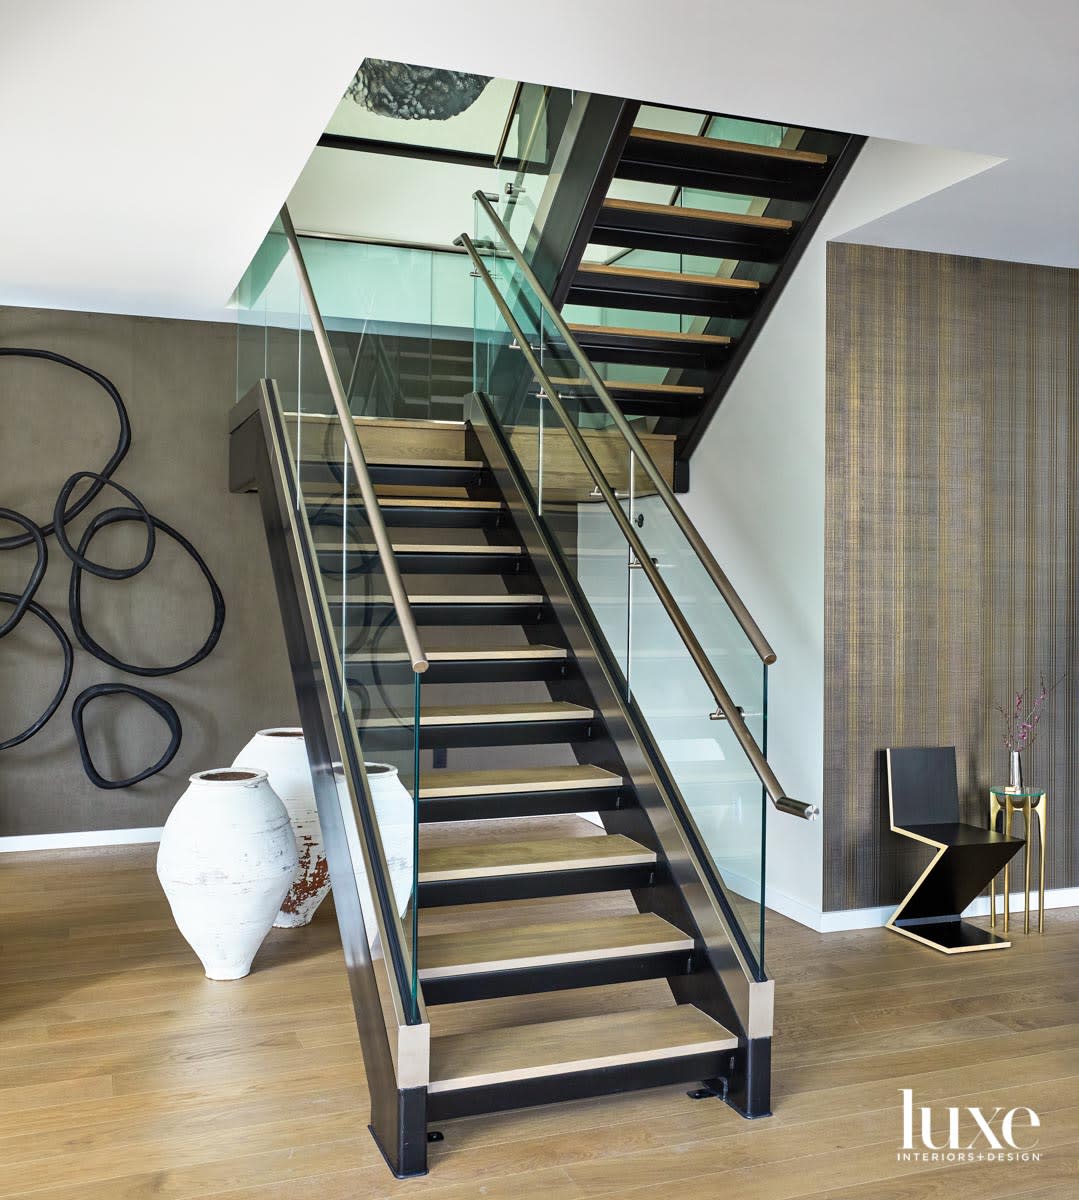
(451, 593)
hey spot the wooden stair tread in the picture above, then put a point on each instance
(478, 860)
(607, 270)
(492, 714)
(417, 502)
(466, 1060)
(410, 423)
(506, 780)
(623, 385)
(385, 460)
(778, 224)
(479, 548)
(450, 654)
(445, 955)
(706, 143)
(388, 460)
(505, 598)
(663, 335)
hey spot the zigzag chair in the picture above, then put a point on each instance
(923, 804)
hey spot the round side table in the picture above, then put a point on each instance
(1031, 802)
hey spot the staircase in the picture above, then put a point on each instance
(563, 897)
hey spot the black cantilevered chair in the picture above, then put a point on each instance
(923, 803)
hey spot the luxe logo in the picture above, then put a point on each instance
(971, 1134)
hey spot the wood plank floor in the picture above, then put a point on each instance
(124, 1074)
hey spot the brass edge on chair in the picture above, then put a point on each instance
(726, 705)
(355, 454)
(726, 589)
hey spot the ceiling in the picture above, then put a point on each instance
(146, 147)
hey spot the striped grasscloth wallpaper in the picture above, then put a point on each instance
(951, 541)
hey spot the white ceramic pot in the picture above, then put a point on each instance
(394, 812)
(226, 861)
(282, 754)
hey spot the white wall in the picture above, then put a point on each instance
(757, 495)
(383, 196)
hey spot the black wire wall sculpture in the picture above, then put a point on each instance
(109, 517)
(123, 441)
(82, 563)
(158, 705)
(23, 602)
(55, 628)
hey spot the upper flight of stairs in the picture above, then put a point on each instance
(519, 897)
(681, 286)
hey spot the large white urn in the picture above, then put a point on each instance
(226, 861)
(395, 817)
(282, 754)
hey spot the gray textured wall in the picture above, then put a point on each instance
(177, 379)
(952, 541)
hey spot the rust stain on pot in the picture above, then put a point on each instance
(309, 879)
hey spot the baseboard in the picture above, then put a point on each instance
(84, 838)
(796, 910)
(853, 918)
(775, 900)
(871, 918)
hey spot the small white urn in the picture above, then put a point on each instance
(226, 861)
(395, 817)
(282, 754)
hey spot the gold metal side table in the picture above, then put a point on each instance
(1031, 802)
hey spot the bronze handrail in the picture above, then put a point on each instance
(726, 708)
(723, 584)
(355, 453)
